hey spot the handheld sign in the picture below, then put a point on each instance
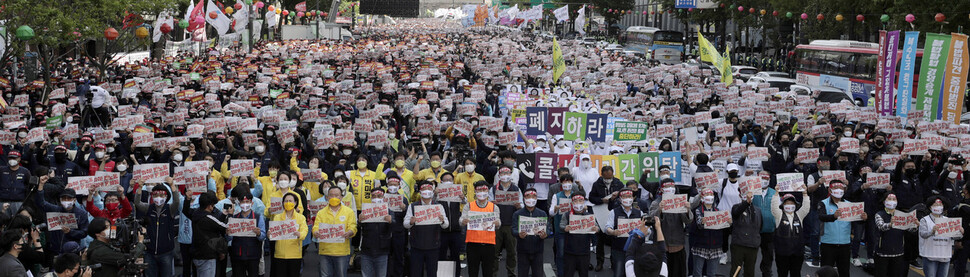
(428, 214)
(509, 198)
(241, 227)
(707, 180)
(904, 221)
(625, 225)
(532, 225)
(283, 230)
(673, 204)
(394, 201)
(59, 221)
(275, 205)
(758, 153)
(151, 173)
(851, 211)
(829, 175)
(716, 220)
(331, 233)
(582, 224)
(449, 193)
(877, 180)
(240, 168)
(373, 213)
(849, 145)
(787, 182)
(481, 221)
(807, 155)
(949, 227)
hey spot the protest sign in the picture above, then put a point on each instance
(507, 197)
(275, 205)
(581, 224)
(889, 161)
(905, 221)
(283, 230)
(915, 147)
(717, 220)
(877, 180)
(625, 225)
(829, 175)
(563, 205)
(532, 225)
(758, 153)
(151, 173)
(241, 227)
(481, 221)
(60, 221)
(630, 131)
(949, 227)
(707, 180)
(676, 203)
(81, 184)
(427, 214)
(449, 192)
(749, 184)
(242, 168)
(849, 145)
(394, 201)
(143, 139)
(786, 182)
(311, 175)
(373, 212)
(331, 233)
(851, 211)
(807, 155)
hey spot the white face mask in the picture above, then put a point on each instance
(530, 202)
(937, 210)
(285, 184)
(158, 200)
(427, 194)
(505, 178)
(469, 168)
(177, 157)
(391, 135)
(578, 207)
(112, 149)
(22, 134)
(765, 183)
(425, 140)
(838, 193)
(260, 148)
(708, 199)
(664, 176)
(447, 183)
(346, 152)
(342, 185)
(847, 134)
(626, 202)
(481, 196)
(12, 162)
(122, 167)
(67, 204)
(567, 186)
(245, 206)
(891, 205)
(789, 208)
(585, 164)
(670, 190)
(392, 189)
(99, 154)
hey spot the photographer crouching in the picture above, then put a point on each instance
(69, 265)
(111, 259)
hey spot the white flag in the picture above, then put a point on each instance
(241, 16)
(581, 21)
(163, 19)
(271, 19)
(562, 14)
(221, 22)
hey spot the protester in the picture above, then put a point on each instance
(576, 257)
(835, 235)
(425, 238)
(889, 252)
(375, 241)
(935, 249)
(530, 247)
(334, 256)
(480, 245)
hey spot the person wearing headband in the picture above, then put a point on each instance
(480, 244)
(705, 243)
(618, 237)
(936, 249)
(835, 239)
(529, 243)
(425, 232)
(508, 198)
(577, 242)
(334, 256)
(375, 239)
(889, 253)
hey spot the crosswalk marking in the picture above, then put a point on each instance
(547, 268)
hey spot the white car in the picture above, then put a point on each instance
(777, 74)
(614, 47)
(743, 72)
(783, 84)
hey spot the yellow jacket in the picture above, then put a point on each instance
(345, 216)
(312, 188)
(292, 248)
(408, 178)
(270, 191)
(426, 173)
(361, 184)
(467, 183)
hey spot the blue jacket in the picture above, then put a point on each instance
(530, 244)
(13, 183)
(701, 237)
(764, 203)
(249, 248)
(57, 238)
(833, 231)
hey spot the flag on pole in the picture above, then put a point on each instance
(955, 82)
(725, 68)
(241, 16)
(221, 22)
(192, 13)
(580, 24)
(163, 18)
(558, 63)
(562, 14)
(708, 52)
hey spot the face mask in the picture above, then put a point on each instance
(510, 163)
(99, 155)
(708, 199)
(626, 202)
(342, 186)
(361, 164)
(67, 204)
(285, 184)
(272, 173)
(427, 194)
(111, 206)
(585, 164)
(838, 193)
(578, 207)
(789, 208)
(530, 202)
(664, 176)
(290, 205)
(425, 140)
(891, 205)
(269, 133)
(847, 134)
(346, 152)
(158, 200)
(670, 191)
(69, 119)
(505, 178)
(377, 200)
(60, 157)
(122, 167)
(733, 174)
(567, 186)
(399, 163)
(392, 189)
(177, 157)
(391, 135)
(937, 210)
(481, 196)
(910, 172)
(112, 149)
(435, 164)
(765, 183)
(22, 134)
(469, 168)
(260, 148)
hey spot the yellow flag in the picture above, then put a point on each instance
(725, 68)
(558, 63)
(708, 52)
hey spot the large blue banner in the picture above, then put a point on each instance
(907, 67)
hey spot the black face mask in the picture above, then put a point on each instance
(733, 174)
(910, 172)
(60, 157)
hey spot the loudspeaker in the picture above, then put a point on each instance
(394, 8)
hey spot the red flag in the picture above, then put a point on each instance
(199, 10)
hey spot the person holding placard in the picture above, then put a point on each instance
(161, 229)
(935, 249)
(606, 191)
(480, 244)
(889, 260)
(399, 237)
(909, 187)
(646, 249)
(745, 234)
(116, 205)
(425, 238)
(674, 229)
(577, 242)
(788, 215)
(728, 197)
(406, 175)
(835, 239)
(529, 243)
(246, 251)
(362, 181)
(452, 238)
(705, 244)
(620, 215)
(375, 241)
(57, 238)
(468, 178)
(334, 256)
(559, 207)
(208, 231)
(13, 182)
(508, 198)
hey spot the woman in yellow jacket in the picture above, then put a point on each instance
(312, 188)
(288, 254)
(275, 187)
(335, 254)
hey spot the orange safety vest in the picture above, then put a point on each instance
(485, 237)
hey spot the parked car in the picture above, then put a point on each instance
(783, 84)
(778, 74)
(825, 93)
(743, 72)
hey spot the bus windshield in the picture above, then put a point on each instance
(668, 36)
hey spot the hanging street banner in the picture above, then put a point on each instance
(907, 66)
(884, 103)
(935, 53)
(955, 83)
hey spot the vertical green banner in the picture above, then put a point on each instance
(574, 126)
(935, 52)
(650, 160)
(629, 167)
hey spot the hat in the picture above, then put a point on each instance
(541, 137)
(732, 167)
(584, 157)
(71, 247)
(60, 147)
(69, 193)
(13, 154)
(787, 197)
(100, 145)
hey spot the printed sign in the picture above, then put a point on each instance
(807, 155)
(625, 225)
(532, 225)
(428, 214)
(59, 221)
(331, 233)
(949, 227)
(915, 147)
(904, 221)
(373, 213)
(449, 193)
(394, 201)
(151, 173)
(707, 180)
(717, 220)
(275, 205)
(758, 153)
(509, 198)
(563, 205)
(241, 227)
(582, 224)
(851, 211)
(849, 145)
(311, 175)
(790, 182)
(877, 180)
(143, 139)
(481, 221)
(283, 230)
(241, 168)
(673, 204)
(829, 175)
(630, 131)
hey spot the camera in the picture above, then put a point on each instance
(648, 221)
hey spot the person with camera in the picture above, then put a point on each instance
(12, 243)
(161, 216)
(208, 229)
(69, 265)
(32, 254)
(111, 258)
(646, 250)
(13, 182)
(57, 238)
